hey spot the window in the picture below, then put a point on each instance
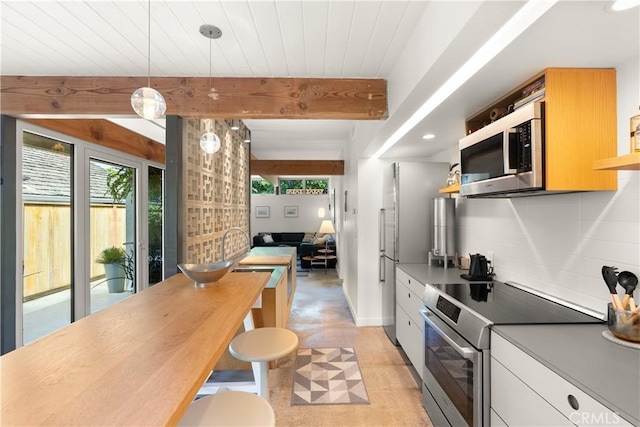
(291, 186)
(261, 186)
(303, 186)
(317, 184)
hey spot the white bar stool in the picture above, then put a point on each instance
(260, 346)
(229, 408)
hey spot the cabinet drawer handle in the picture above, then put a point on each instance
(409, 281)
(409, 295)
(573, 402)
(409, 321)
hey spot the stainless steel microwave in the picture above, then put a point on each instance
(505, 158)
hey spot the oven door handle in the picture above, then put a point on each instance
(466, 352)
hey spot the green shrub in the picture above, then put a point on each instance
(112, 255)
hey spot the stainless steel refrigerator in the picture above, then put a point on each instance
(405, 225)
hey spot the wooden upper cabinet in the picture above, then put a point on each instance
(580, 126)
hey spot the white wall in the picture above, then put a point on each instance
(307, 220)
(557, 244)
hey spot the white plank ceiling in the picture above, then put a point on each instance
(307, 38)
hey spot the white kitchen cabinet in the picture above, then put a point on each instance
(409, 326)
(524, 392)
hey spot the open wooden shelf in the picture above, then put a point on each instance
(626, 162)
(455, 188)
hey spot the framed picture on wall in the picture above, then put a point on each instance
(290, 211)
(262, 211)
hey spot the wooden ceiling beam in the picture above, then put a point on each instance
(297, 167)
(107, 134)
(232, 98)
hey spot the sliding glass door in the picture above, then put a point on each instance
(155, 223)
(47, 222)
(112, 232)
(92, 224)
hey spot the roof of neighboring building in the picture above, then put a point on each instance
(47, 176)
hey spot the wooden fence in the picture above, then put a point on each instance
(47, 244)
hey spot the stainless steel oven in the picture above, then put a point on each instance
(454, 375)
(457, 320)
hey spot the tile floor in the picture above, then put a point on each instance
(321, 318)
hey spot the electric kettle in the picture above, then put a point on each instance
(478, 266)
(479, 269)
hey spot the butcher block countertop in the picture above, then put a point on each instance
(138, 362)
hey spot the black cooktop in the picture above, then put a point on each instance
(504, 304)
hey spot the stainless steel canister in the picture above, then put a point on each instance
(444, 221)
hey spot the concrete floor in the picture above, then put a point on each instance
(321, 318)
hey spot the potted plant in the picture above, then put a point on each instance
(115, 262)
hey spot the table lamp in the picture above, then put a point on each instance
(327, 228)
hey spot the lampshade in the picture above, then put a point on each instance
(148, 103)
(320, 212)
(210, 142)
(326, 227)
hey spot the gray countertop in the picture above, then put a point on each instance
(426, 274)
(608, 372)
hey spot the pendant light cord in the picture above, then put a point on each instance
(149, 46)
(210, 87)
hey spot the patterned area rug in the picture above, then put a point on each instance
(328, 376)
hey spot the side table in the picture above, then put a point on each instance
(325, 258)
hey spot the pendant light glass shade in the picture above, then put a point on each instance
(148, 103)
(210, 142)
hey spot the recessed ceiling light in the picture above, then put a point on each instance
(428, 136)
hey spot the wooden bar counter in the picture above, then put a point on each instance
(277, 256)
(138, 362)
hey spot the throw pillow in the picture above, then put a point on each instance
(268, 238)
(320, 240)
(308, 237)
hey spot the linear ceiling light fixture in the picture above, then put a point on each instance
(147, 102)
(209, 141)
(519, 22)
(619, 5)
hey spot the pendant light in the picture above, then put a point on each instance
(209, 141)
(147, 102)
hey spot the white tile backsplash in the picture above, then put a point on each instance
(558, 243)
